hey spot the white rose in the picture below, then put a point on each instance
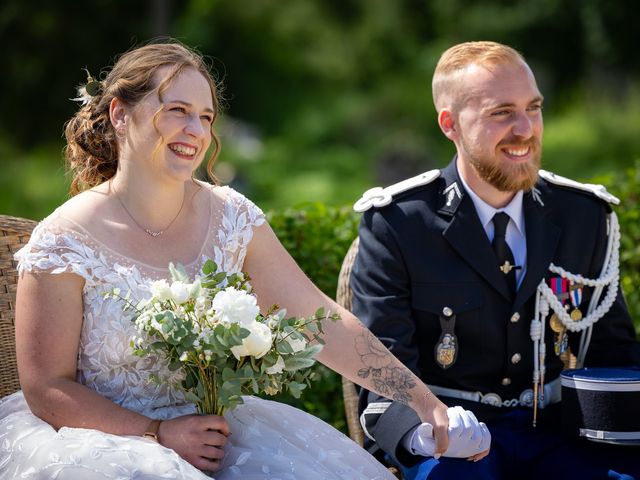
(277, 367)
(257, 344)
(180, 292)
(161, 290)
(235, 306)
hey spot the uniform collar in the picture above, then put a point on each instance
(486, 211)
(452, 190)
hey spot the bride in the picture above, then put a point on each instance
(87, 408)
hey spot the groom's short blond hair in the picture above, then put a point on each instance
(457, 58)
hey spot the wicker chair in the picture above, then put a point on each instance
(349, 393)
(14, 233)
(343, 297)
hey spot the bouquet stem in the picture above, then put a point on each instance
(208, 405)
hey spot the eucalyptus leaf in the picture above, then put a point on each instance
(311, 351)
(283, 347)
(191, 397)
(209, 267)
(175, 365)
(228, 374)
(295, 389)
(293, 363)
(178, 272)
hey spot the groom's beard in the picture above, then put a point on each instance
(504, 175)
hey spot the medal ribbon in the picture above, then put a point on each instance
(559, 286)
(576, 295)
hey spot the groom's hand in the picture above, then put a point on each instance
(467, 437)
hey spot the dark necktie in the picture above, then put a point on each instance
(504, 254)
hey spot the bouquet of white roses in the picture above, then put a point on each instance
(212, 330)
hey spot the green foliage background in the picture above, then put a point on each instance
(323, 98)
(327, 98)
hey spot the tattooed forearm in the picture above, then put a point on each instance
(387, 379)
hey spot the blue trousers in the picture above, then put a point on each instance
(519, 451)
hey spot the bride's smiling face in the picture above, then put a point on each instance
(170, 129)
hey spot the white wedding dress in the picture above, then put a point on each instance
(269, 440)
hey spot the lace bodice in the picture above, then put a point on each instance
(106, 362)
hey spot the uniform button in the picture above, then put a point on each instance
(515, 358)
(505, 381)
(447, 312)
(515, 317)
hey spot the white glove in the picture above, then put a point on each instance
(467, 436)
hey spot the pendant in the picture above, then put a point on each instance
(446, 350)
(152, 233)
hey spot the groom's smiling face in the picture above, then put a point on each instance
(499, 122)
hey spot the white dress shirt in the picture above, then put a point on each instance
(516, 236)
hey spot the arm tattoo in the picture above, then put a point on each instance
(388, 380)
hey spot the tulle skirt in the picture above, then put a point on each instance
(269, 440)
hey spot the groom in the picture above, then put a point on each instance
(447, 272)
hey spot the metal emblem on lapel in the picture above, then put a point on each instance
(537, 196)
(452, 193)
(507, 267)
(446, 350)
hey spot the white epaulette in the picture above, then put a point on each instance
(379, 197)
(597, 190)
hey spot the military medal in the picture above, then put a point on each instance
(446, 350)
(559, 286)
(556, 324)
(575, 295)
(560, 338)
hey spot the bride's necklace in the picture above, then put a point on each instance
(153, 233)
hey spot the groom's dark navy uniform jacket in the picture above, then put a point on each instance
(427, 252)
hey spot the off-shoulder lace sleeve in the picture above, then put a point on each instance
(55, 248)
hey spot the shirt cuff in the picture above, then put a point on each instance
(419, 440)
